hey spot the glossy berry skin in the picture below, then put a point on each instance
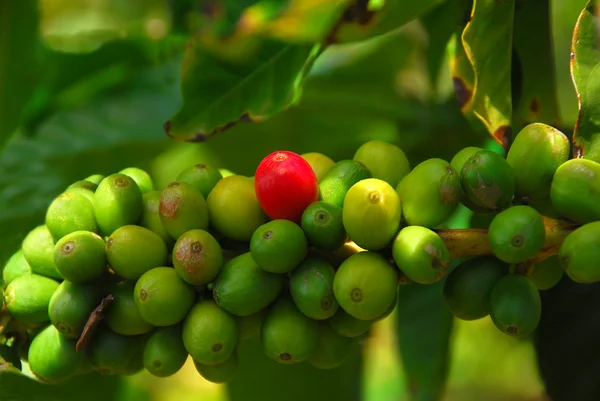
(285, 185)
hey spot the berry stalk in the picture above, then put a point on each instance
(469, 242)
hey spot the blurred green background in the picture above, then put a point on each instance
(111, 82)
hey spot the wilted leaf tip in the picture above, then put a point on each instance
(358, 12)
(503, 135)
(204, 136)
(463, 94)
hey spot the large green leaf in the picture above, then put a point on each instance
(259, 378)
(424, 325)
(487, 40)
(353, 95)
(585, 72)
(18, 65)
(533, 44)
(102, 136)
(219, 93)
(69, 80)
(93, 387)
(441, 23)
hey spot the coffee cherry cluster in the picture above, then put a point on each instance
(306, 255)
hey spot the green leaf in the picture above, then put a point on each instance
(19, 64)
(424, 326)
(441, 23)
(367, 19)
(92, 387)
(487, 40)
(72, 79)
(82, 27)
(331, 118)
(218, 93)
(585, 72)
(103, 136)
(533, 44)
(259, 378)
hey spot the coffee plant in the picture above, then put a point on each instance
(187, 177)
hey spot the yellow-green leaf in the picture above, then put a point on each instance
(533, 44)
(585, 72)
(487, 40)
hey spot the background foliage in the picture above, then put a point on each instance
(95, 86)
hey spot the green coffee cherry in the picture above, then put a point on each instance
(210, 334)
(384, 160)
(71, 305)
(516, 305)
(197, 257)
(249, 326)
(83, 184)
(70, 212)
(421, 254)
(151, 217)
(488, 181)
(347, 325)
(331, 350)
(372, 213)
(323, 225)
(311, 288)
(288, 336)
(133, 250)
(319, 163)
(136, 363)
(182, 208)
(460, 158)
(38, 250)
(15, 266)
(201, 176)
(574, 190)
(220, 373)
(388, 312)
(535, 154)
(339, 179)
(95, 178)
(111, 353)
(122, 315)
(242, 288)
(117, 202)
(365, 285)
(234, 209)
(80, 257)
(164, 353)
(517, 234)
(79, 191)
(547, 273)
(52, 357)
(141, 178)
(579, 254)
(162, 297)
(278, 246)
(27, 299)
(429, 193)
(469, 286)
